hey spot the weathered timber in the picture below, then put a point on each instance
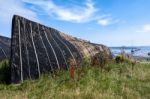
(4, 48)
(37, 49)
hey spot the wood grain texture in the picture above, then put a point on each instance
(4, 48)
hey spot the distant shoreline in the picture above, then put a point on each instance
(128, 47)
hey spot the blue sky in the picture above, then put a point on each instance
(109, 22)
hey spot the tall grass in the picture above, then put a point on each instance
(5, 72)
(121, 82)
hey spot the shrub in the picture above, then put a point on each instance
(119, 59)
(125, 58)
(100, 60)
(5, 72)
(72, 68)
(86, 62)
(75, 73)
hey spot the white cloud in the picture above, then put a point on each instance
(75, 13)
(10, 7)
(103, 22)
(107, 21)
(145, 29)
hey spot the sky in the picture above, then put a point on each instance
(109, 22)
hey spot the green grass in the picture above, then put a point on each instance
(5, 72)
(121, 82)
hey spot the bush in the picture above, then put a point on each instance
(119, 59)
(86, 62)
(100, 60)
(125, 58)
(72, 68)
(5, 72)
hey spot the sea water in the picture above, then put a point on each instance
(138, 51)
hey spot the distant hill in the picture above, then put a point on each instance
(5, 43)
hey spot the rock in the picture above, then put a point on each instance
(37, 49)
(148, 54)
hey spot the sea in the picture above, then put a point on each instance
(141, 51)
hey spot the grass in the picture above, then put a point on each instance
(5, 72)
(121, 82)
